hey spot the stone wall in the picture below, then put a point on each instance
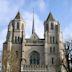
(34, 68)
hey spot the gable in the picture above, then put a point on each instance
(34, 37)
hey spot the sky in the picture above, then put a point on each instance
(61, 10)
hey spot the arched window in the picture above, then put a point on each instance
(52, 60)
(46, 27)
(53, 39)
(34, 58)
(52, 27)
(50, 39)
(15, 39)
(53, 49)
(50, 49)
(17, 25)
(18, 39)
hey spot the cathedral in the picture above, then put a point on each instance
(33, 54)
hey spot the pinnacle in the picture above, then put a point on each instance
(50, 17)
(18, 15)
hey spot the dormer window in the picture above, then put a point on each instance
(17, 25)
(52, 27)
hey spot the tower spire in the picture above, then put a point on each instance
(18, 15)
(33, 29)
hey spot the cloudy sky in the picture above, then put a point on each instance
(61, 10)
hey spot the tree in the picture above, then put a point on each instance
(15, 61)
(68, 50)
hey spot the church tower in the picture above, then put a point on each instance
(15, 30)
(13, 44)
(53, 44)
(18, 29)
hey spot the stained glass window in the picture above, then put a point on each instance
(34, 58)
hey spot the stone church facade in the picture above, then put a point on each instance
(33, 54)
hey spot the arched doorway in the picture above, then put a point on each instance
(34, 58)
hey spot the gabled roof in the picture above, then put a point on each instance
(18, 16)
(50, 17)
(34, 36)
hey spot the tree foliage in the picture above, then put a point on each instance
(68, 55)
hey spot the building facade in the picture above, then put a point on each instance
(33, 54)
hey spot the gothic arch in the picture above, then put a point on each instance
(34, 57)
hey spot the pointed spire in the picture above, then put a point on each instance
(18, 15)
(50, 17)
(33, 29)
